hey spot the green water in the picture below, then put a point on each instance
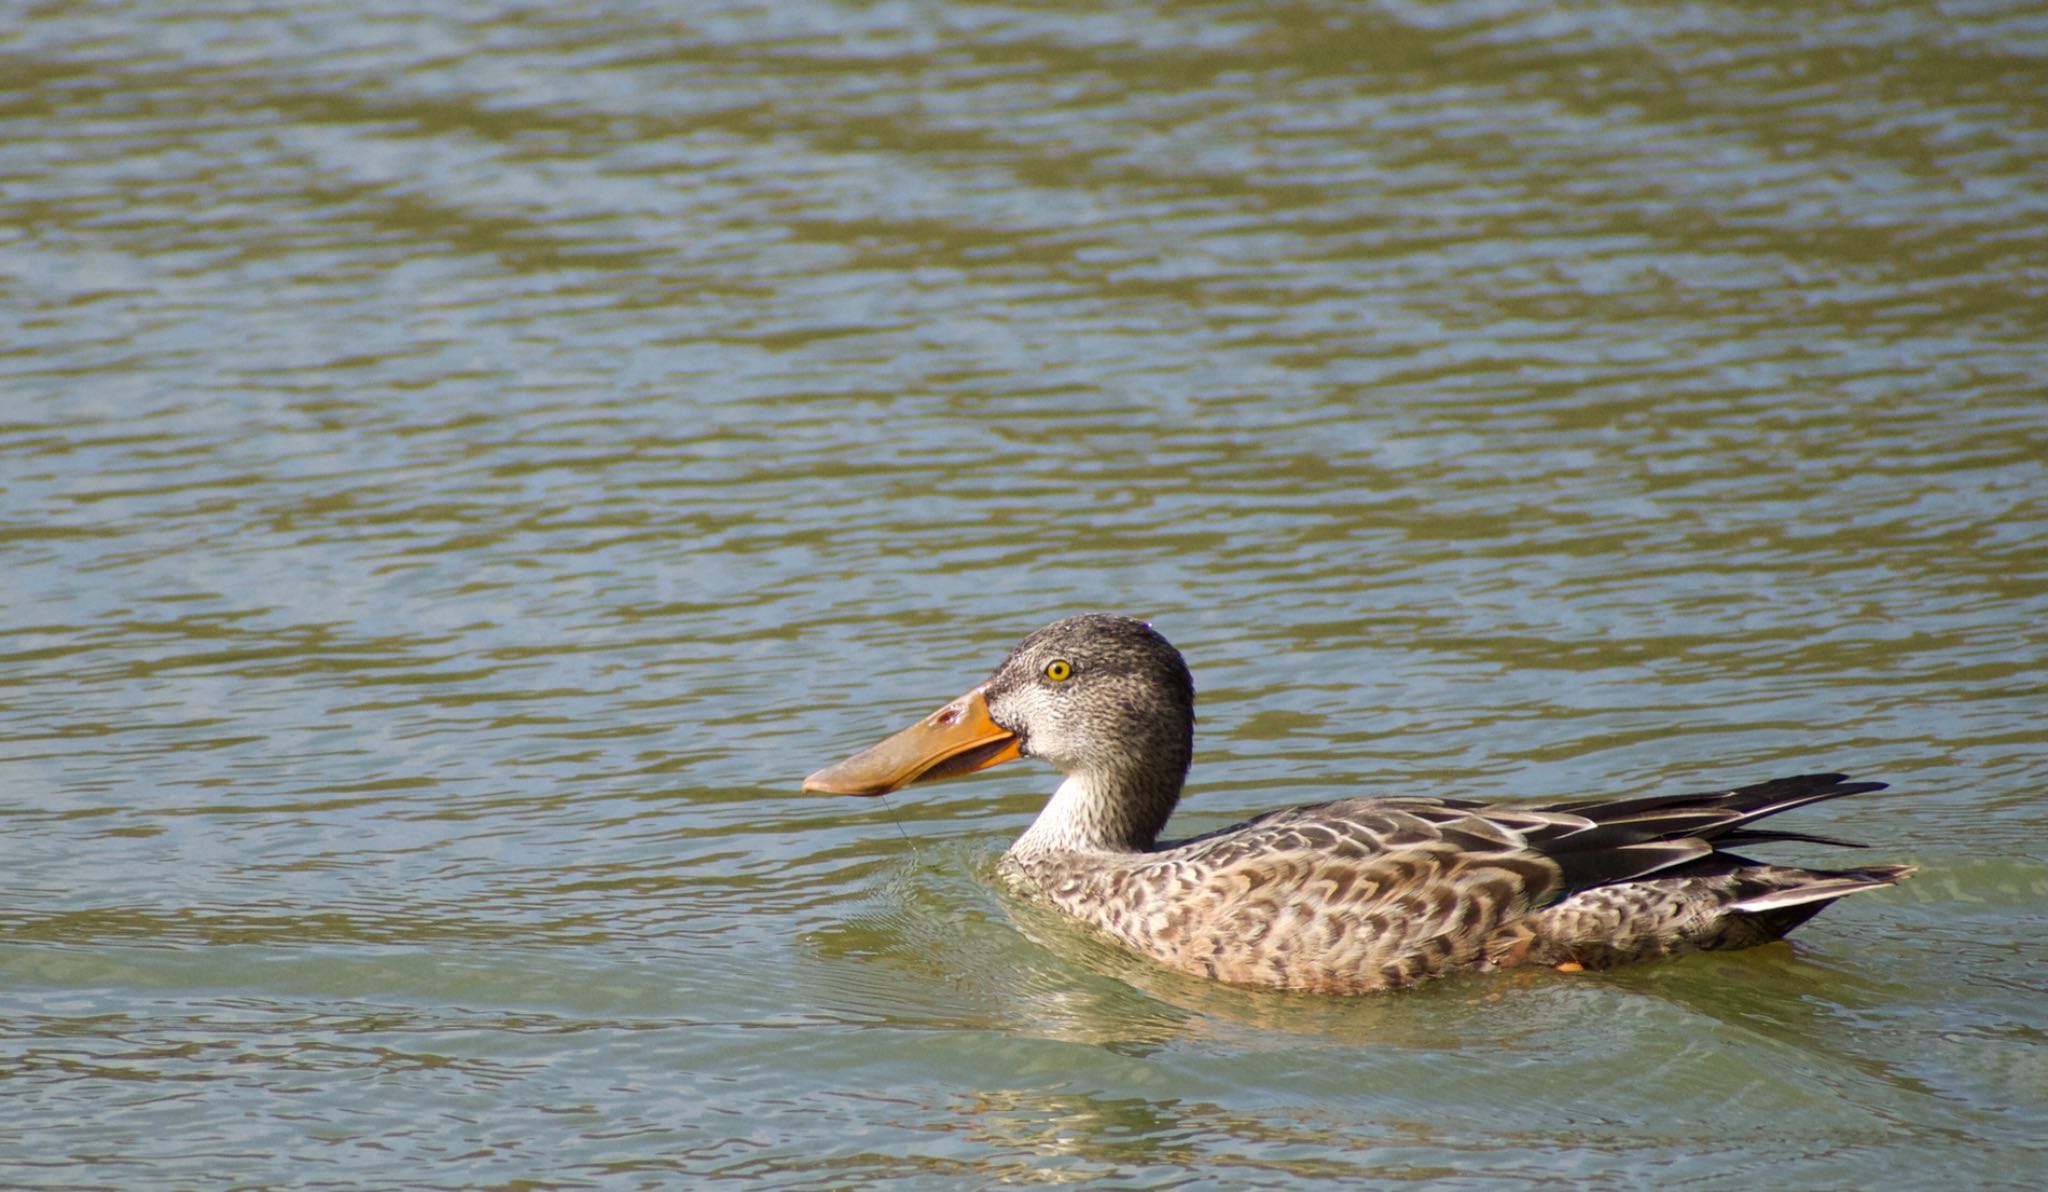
(457, 474)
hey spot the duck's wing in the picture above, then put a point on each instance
(1586, 843)
(1363, 894)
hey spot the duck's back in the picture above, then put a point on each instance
(1366, 894)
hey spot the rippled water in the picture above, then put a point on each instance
(458, 474)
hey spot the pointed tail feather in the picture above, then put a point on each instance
(1829, 884)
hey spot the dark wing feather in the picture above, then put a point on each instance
(1751, 803)
(1593, 843)
(1631, 838)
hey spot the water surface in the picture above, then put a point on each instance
(458, 474)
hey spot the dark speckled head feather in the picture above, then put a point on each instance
(1110, 703)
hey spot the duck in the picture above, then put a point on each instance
(1359, 895)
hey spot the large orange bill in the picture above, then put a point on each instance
(957, 739)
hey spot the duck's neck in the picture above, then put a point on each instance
(1102, 812)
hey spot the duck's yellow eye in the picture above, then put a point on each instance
(1059, 670)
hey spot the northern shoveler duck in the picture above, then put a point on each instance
(1356, 895)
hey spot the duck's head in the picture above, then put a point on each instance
(1106, 700)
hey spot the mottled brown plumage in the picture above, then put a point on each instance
(1352, 896)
